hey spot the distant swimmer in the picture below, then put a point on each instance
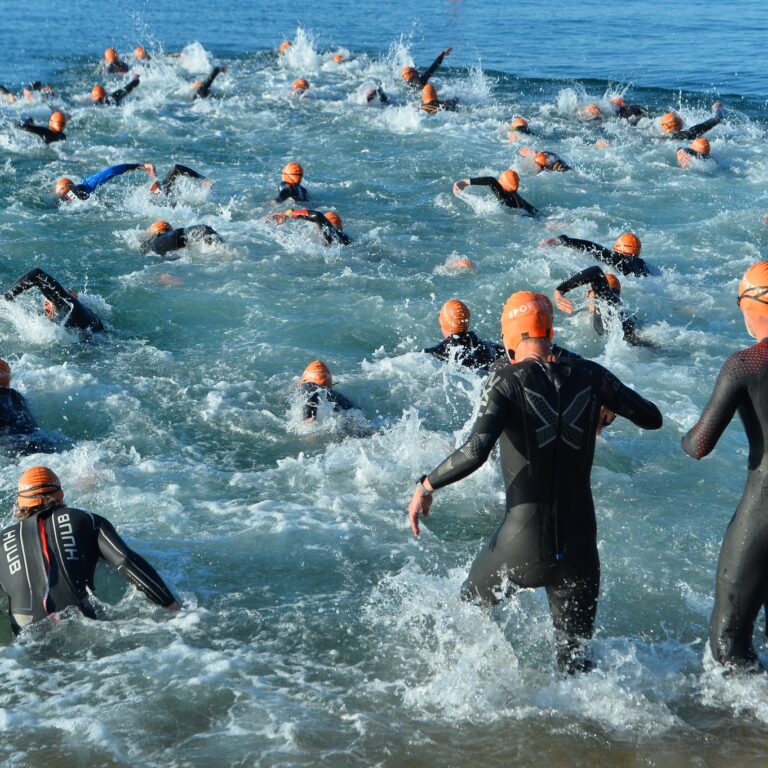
(163, 238)
(625, 255)
(338, 58)
(300, 86)
(60, 304)
(54, 131)
(545, 416)
(140, 53)
(590, 113)
(742, 569)
(100, 98)
(629, 112)
(51, 552)
(202, 88)
(18, 428)
(605, 303)
(461, 344)
(113, 64)
(431, 104)
(171, 180)
(66, 189)
(518, 128)
(672, 124)
(329, 223)
(376, 96)
(545, 161)
(290, 186)
(505, 188)
(698, 150)
(284, 46)
(316, 387)
(412, 78)
(7, 95)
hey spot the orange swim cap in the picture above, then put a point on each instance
(613, 281)
(526, 315)
(300, 85)
(284, 46)
(428, 93)
(334, 219)
(460, 264)
(519, 124)
(509, 180)
(317, 372)
(110, 55)
(671, 122)
(618, 101)
(158, 227)
(541, 159)
(408, 73)
(5, 374)
(700, 145)
(57, 121)
(753, 289)
(63, 186)
(338, 58)
(454, 317)
(293, 173)
(98, 93)
(591, 111)
(36, 488)
(627, 244)
(140, 52)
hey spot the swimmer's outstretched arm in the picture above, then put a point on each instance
(433, 67)
(49, 286)
(701, 128)
(118, 95)
(592, 276)
(91, 183)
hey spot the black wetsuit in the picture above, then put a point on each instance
(117, 67)
(19, 432)
(430, 107)
(421, 80)
(168, 185)
(46, 134)
(697, 130)
(595, 278)
(631, 113)
(377, 94)
(555, 163)
(49, 559)
(627, 265)
(510, 199)
(312, 394)
(203, 91)
(742, 569)
(117, 96)
(330, 234)
(67, 306)
(468, 350)
(291, 191)
(166, 242)
(545, 416)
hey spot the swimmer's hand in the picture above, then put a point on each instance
(277, 218)
(459, 185)
(447, 52)
(421, 501)
(549, 242)
(174, 606)
(150, 169)
(718, 106)
(563, 304)
(607, 417)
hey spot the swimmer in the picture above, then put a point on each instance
(413, 79)
(299, 86)
(16, 421)
(31, 91)
(8, 96)
(699, 150)
(338, 58)
(625, 255)
(54, 131)
(316, 384)
(461, 344)
(589, 113)
(329, 223)
(60, 304)
(99, 95)
(168, 185)
(290, 186)
(376, 95)
(202, 88)
(629, 112)
(505, 189)
(545, 414)
(163, 238)
(431, 104)
(605, 303)
(66, 189)
(672, 124)
(518, 128)
(284, 46)
(52, 551)
(140, 54)
(113, 64)
(545, 161)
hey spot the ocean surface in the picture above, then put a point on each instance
(316, 630)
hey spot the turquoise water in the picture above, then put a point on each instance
(315, 629)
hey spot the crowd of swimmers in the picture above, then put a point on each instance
(543, 404)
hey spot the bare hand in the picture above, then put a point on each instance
(566, 305)
(447, 51)
(549, 242)
(607, 417)
(459, 185)
(150, 169)
(280, 217)
(174, 606)
(717, 105)
(420, 503)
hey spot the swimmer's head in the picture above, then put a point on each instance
(317, 372)
(39, 488)
(300, 85)
(284, 46)
(519, 124)
(140, 52)
(57, 121)
(671, 122)
(510, 181)
(617, 101)
(5, 374)
(526, 315)
(462, 264)
(627, 244)
(63, 189)
(428, 93)
(292, 173)
(454, 317)
(110, 55)
(98, 93)
(408, 74)
(701, 145)
(753, 290)
(158, 227)
(540, 158)
(338, 58)
(591, 112)
(334, 219)
(613, 283)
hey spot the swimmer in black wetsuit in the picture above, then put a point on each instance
(625, 255)
(505, 189)
(66, 189)
(546, 416)
(203, 87)
(413, 79)
(18, 428)
(329, 223)
(742, 569)
(59, 304)
(290, 186)
(545, 161)
(54, 131)
(164, 239)
(315, 384)
(100, 98)
(50, 555)
(459, 342)
(168, 185)
(672, 125)
(431, 104)
(604, 303)
(112, 63)
(629, 112)
(699, 150)
(517, 129)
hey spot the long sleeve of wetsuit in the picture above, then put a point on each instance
(118, 95)
(701, 128)
(627, 265)
(131, 565)
(433, 67)
(205, 87)
(329, 232)
(625, 402)
(46, 134)
(595, 278)
(293, 191)
(510, 199)
(202, 232)
(91, 183)
(169, 182)
(49, 286)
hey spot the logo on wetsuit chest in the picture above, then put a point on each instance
(67, 536)
(11, 547)
(570, 433)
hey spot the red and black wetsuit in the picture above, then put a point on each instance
(544, 415)
(627, 265)
(423, 79)
(330, 234)
(313, 393)
(48, 562)
(468, 350)
(203, 91)
(742, 569)
(510, 199)
(117, 96)
(46, 134)
(166, 242)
